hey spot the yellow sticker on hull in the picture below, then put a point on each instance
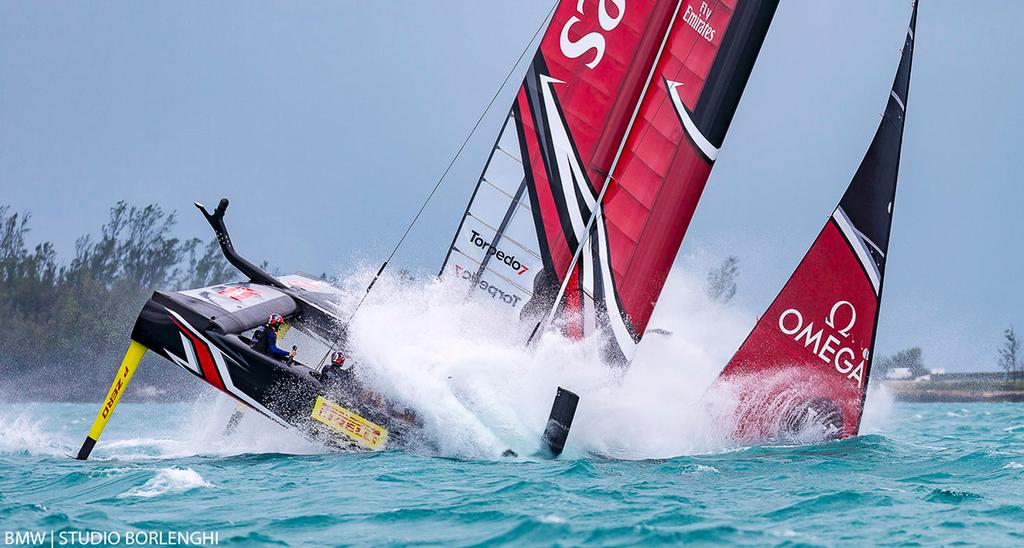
(356, 428)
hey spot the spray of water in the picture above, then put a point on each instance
(479, 391)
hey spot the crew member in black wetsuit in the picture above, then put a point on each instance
(335, 372)
(266, 341)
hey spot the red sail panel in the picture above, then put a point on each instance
(803, 370)
(538, 188)
(600, 85)
(810, 349)
(667, 158)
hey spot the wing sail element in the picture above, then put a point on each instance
(524, 221)
(667, 158)
(808, 359)
(589, 189)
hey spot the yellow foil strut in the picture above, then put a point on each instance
(117, 389)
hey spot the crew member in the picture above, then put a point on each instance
(266, 342)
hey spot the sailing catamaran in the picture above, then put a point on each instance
(803, 370)
(573, 224)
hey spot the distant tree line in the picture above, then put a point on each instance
(65, 325)
(1009, 357)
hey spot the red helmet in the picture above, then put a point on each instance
(275, 320)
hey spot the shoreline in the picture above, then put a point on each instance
(955, 391)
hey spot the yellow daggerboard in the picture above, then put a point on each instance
(356, 428)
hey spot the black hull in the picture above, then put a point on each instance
(207, 342)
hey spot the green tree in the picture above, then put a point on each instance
(1009, 356)
(66, 326)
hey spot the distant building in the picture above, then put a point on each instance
(937, 371)
(898, 373)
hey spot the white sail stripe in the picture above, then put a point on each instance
(567, 164)
(898, 100)
(505, 237)
(867, 240)
(699, 139)
(853, 236)
(911, 33)
(218, 360)
(616, 317)
(587, 290)
(566, 161)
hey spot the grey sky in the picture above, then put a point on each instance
(327, 124)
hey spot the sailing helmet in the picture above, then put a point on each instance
(275, 320)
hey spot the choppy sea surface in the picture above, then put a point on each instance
(933, 474)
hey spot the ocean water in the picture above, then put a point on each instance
(928, 474)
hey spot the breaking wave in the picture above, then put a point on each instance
(24, 432)
(169, 481)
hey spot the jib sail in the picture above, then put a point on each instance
(808, 358)
(594, 145)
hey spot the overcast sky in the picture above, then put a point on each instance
(328, 123)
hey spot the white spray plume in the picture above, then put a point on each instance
(479, 390)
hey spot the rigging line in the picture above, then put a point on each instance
(543, 25)
(437, 185)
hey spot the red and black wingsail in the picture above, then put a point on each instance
(590, 187)
(526, 217)
(808, 358)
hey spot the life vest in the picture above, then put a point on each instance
(261, 340)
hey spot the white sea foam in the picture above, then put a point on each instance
(1013, 465)
(480, 391)
(702, 469)
(877, 409)
(169, 481)
(26, 432)
(203, 431)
